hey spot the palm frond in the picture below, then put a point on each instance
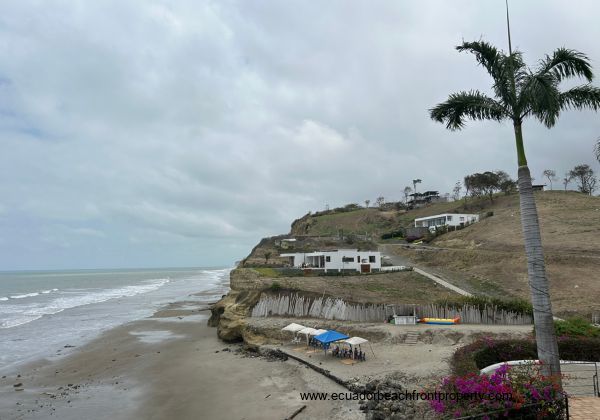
(485, 53)
(581, 97)
(539, 96)
(565, 63)
(467, 105)
(500, 66)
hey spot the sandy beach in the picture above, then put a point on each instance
(168, 366)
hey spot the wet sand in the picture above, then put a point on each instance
(169, 366)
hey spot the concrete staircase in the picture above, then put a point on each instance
(411, 338)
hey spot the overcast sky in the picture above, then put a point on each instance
(178, 133)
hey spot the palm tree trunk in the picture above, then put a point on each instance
(543, 319)
(547, 347)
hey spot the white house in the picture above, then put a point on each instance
(446, 219)
(341, 259)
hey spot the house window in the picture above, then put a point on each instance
(449, 218)
(358, 258)
(371, 258)
(347, 259)
(462, 218)
(328, 259)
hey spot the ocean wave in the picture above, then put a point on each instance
(214, 276)
(31, 294)
(15, 322)
(23, 314)
(26, 295)
(45, 292)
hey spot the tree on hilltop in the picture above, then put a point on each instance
(551, 175)
(567, 180)
(585, 177)
(415, 182)
(456, 191)
(406, 191)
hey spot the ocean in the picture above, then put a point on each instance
(41, 312)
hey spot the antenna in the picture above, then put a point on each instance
(508, 27)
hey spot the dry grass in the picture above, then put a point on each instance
(398, 287)
(492, 252)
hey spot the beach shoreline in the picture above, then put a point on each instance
(170, 365)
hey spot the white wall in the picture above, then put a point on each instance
(456, 219)
(335, 259)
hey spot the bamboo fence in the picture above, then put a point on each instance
(295, 305)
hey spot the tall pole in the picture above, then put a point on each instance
(508, 27)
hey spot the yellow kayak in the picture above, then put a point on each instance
(440, 321)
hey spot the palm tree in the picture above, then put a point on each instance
(520, 92)
(597, 150)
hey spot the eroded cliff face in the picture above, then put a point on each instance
(229, 314)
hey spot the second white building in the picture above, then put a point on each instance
(446, 219)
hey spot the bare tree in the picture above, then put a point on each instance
(367, 202)
(592, 184)
(379, 202)
(551, 175)
(407, 191)
(566, 180)
(456, 191)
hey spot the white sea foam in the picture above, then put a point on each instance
(45, 292)
(25, 313)
(26, 295)
(3, 298)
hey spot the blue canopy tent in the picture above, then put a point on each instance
(329, 337)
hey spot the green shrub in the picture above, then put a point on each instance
(519, 306)
(275, 286)
(393, 234)
(487, 351)
(575, 327)
(503, 350)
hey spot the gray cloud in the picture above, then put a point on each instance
(179, 133)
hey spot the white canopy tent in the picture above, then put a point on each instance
(356, 341)
(317, 332)
(307, 332)
(293, 327)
